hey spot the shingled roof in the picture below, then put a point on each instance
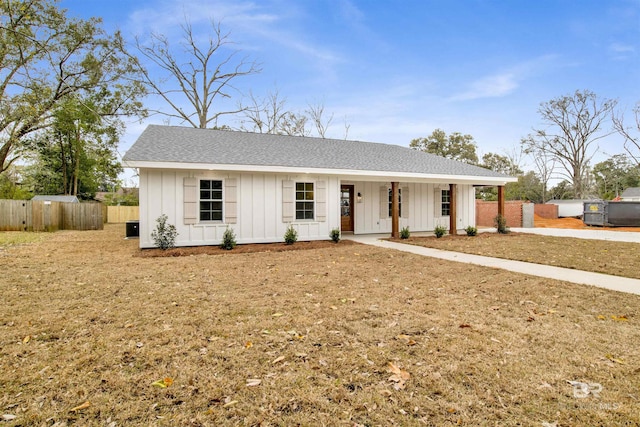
(172, 144)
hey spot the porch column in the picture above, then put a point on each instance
(501, 200)
(453, 188)
(395, 211)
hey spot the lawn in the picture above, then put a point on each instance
(600, 256)
(341, 335)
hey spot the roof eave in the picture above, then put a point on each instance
(363, 175)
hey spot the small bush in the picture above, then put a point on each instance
(165, 234)
(471, 231)
(501, 224)
(405, 233)
(440, 231)
(290, 236)
(228, 239)
(335, 235)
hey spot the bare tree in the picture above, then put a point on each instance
(271, 115)
(545, 165)
(631, 141)
(315, 113)
(573, 124)
(190, 86)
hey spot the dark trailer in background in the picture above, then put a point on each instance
(612, 214)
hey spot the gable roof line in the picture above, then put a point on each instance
(181, 145)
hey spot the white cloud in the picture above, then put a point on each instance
(504, 82)
(621, 48)
(493, 86)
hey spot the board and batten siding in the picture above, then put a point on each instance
(257, 203)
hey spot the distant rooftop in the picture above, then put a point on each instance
(65, 199)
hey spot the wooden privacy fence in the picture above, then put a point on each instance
(118, 214)
(29, 215)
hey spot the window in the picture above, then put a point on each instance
(445, 210)
(399, 202)
(304, 200)
(210, 200)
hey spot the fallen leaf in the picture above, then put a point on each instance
(248, 344)
(601, 317)
(278, 359)
(465, 325)
(277, 315)
(333, 307)
(385, 393)
(399, 376)
(252, 382)
(616, 360)
(9, 417)
(495, 307)
(451, 410)
(163, 383)
(85, 405)
(26, 339)
(622, 318)
(229, 404)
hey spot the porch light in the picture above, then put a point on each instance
(359, 197)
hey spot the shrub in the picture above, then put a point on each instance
(290, 236)
(501, 224)
(335, 235)
(440, 231)
(165, 234)
(404, 233)
(228, 239)
(471, 231)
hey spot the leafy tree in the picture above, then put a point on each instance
(630, 134)
(501, 164)
(47, 57)
(614, 175)
(574, 123)
(207, 75)
(455, 146)
(11, 186)
(562, 191)
(77, 155)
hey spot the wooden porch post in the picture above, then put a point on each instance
(453, 230)
(395, 211)
(501, 200)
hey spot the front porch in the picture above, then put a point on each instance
(370, 207)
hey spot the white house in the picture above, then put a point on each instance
(258, 184)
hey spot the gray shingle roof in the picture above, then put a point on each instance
(65, 199)
(631, 192)
(189, 145)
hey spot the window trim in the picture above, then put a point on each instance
(221, 200)
(313, 201)
(445, 204)
(399, 203)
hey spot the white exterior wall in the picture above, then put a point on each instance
(259, 207)
(424, 207)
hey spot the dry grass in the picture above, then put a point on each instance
(600, 256)
(84, 320)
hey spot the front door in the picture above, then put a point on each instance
(346, 208)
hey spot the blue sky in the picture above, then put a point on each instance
(397, 70)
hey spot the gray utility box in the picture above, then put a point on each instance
(612, 214)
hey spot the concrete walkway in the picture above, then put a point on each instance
(615, 283)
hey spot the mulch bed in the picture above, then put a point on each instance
(242, 249)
